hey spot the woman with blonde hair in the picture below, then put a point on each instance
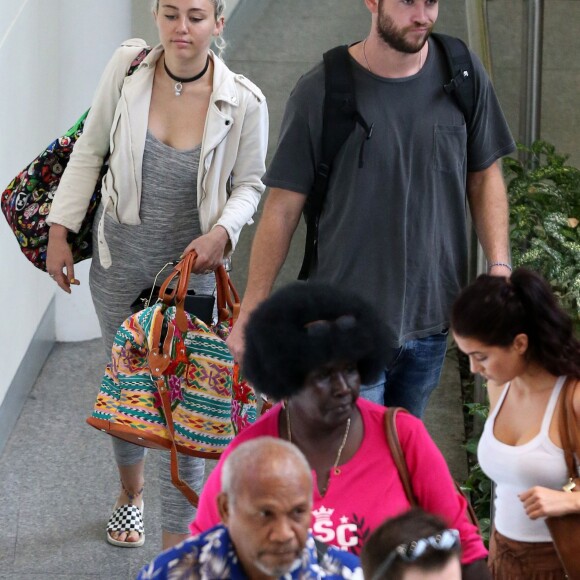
(186, 139)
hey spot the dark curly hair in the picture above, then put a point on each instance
(406, 528)
(494, 310)
(282, 347)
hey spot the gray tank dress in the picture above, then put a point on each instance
(169, 222)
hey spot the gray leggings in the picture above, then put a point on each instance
(176, 511)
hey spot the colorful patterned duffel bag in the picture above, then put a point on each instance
(170, 383)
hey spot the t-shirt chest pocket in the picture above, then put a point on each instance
(449, 147)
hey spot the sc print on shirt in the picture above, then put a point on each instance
(346, 532)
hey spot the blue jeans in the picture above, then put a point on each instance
(411, 376)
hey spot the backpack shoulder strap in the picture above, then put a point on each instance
(462, 83)
(339, 118)
(339, 104)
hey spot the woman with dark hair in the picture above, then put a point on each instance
(414, 545)
(520, 340)
(309, 346)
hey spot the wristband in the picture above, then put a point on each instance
(508, 266)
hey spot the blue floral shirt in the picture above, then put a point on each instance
(211, 556)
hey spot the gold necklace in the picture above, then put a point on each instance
(335, 468)
(365, 54)
(367, 60)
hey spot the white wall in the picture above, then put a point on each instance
(51, 55)
(90, 32)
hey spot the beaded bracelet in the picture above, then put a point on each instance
(508, 266)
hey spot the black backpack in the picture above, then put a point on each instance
(341, 116)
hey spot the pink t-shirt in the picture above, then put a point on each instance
(368, 489)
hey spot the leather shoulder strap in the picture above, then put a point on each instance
(400, 462)
(159, 358)
(569, 428)
(397, 451)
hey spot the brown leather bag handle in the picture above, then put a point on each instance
(228, 300)
(399, 458)
(159, 356)
(569, 428)
(181, 271)
(158, 361)
(397, 452)
(185, 489)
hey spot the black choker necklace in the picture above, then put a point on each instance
(179, 81)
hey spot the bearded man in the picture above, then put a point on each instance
(394, 223)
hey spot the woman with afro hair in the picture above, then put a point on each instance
(309, 347)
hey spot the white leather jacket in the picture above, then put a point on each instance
(232, 159)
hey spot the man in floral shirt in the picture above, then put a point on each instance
(265, 507)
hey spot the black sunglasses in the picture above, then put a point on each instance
(321, 327)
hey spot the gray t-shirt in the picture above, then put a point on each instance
(394, 230)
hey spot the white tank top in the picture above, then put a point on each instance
(515, 469)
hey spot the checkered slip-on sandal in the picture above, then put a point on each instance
(126, 518)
